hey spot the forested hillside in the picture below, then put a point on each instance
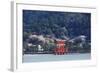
(57, 24)
(42, 28)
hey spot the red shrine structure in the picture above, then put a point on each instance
(60, 49)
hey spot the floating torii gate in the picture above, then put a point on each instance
(60, 49)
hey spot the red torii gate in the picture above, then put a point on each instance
(60, 49)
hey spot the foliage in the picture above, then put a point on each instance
(56, 25)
